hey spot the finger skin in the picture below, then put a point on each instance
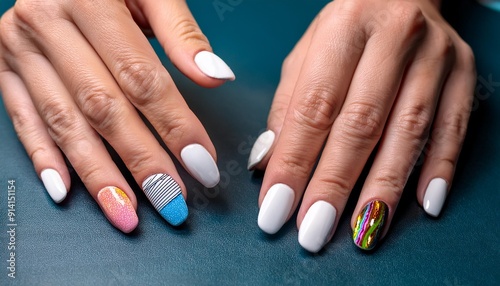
(140, 74)
(313, 108)
(80, 143)
(364, 113)
(180, 36)
(67, 127)
(408, 126)
(31, 130)
(283, 95)
(111, 114)
(445, 142)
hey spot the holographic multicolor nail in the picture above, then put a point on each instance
(370, 224)
(165, 195)
(118, 209)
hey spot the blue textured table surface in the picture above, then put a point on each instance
(73, 244)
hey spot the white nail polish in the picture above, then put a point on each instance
(200, 165)
(54, 185)
(213, 66)
(260, 148)
(275, 208)
(317, 226)
(434, 197)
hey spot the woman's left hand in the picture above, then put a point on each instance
(392, 73)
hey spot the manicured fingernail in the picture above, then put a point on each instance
(260, 148)
(201, 165)
(165, 195)
(370, 224)
(317, 226)
(213, 66)
(275, 208)
(54, 185)
(118, 209)
(434, 197)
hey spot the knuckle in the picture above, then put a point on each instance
(408, 19)
(11, 36)
(295, 165)
(89, 170)
(189, 32)
(174, 128)
(144, 82)
(443, 45)
(361, 120)
(99, 107)
(315, 109)
(34, 14)
(139, 159)
(7, 31)
(340, 186)
(414, 121)
(390, 180)
(21, 120)
(467, 60)
(61, 121)
(455, 126)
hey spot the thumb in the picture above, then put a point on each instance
(184, 42)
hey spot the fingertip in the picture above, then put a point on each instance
(54, 184)
(435, 196)
(317, 226)
(275, 208)
(118, 208)
(185, 44)
(165, 194)
(175, 212)
(213, 66)
(371, 224)
(201, 164)
(260, 150)
(202, 66)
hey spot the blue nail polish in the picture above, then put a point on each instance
(176, 211)
(165, 195)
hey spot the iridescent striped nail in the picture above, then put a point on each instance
(166, 196)
(118, 209)
(370, 224)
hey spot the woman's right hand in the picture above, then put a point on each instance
(73, 72)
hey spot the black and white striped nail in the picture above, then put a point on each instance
(166, 196)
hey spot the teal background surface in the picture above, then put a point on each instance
(220, 244)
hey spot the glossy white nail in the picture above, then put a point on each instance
(213, 66)
(317, 226)
(434, 197)
(201, 165)
(260, 148)
(54, 185)
(275, 208)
